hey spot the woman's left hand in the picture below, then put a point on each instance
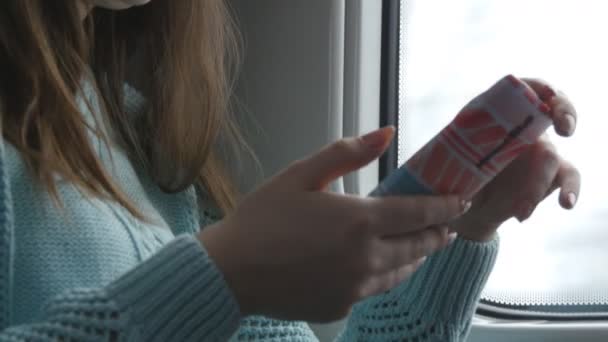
(534, 175)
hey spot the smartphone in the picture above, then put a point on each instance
(485, 136)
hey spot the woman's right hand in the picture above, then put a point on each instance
(292, 250)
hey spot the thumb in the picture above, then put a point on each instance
(337, 159)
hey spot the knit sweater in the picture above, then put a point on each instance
(91, 271)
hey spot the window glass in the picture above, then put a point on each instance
(453, 50)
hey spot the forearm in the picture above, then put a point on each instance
(177, 294)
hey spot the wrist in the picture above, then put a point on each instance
(477, 237)
(471, 229)
(215, 244)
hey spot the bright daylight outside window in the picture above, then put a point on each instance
(556, 262)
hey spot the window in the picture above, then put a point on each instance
(555, 263)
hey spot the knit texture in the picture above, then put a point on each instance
(436, 304)
(93, 272)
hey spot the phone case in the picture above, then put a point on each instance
(485, 136)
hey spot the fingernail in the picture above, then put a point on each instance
(545, 108)
(376, 139)
(465, 205)
(525, 212)
(572, 199)
(546, 93)
(452, 237)
(420, 261)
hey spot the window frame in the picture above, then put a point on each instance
(506, 312)
(389, 81)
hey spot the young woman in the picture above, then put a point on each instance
(112, 180)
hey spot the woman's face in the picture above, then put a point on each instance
(118, 4)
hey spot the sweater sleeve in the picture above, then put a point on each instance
(436, 304)
(177, 294)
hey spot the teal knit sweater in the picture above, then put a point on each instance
(93, 272)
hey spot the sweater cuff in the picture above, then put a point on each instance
(449, 284)
(178, 294)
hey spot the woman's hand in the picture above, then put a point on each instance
(292, 250)
(532, 177)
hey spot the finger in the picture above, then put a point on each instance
(391, 279)
(396, 215)
(544, 167)
(563, 111)
(405, 249)
(569, 180)
(349, 154)
(564, 114)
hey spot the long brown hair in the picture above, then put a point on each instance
(180, 54)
